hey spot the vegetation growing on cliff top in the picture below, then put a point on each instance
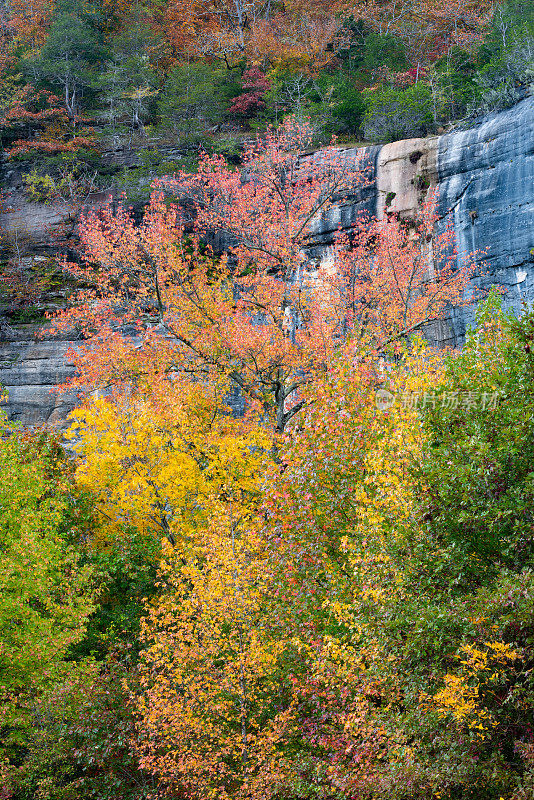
(83, 73)
(95, 98)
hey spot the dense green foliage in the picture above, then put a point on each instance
(393, 113)
(472, 569)
(47, 591)
(66, 723)
(196, 97)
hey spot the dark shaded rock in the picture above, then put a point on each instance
(344, 213)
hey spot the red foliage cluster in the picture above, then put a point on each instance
(401, 79)
(255, 86)
(38, 113)
(53, 147)
(408, 78)
(31, 105)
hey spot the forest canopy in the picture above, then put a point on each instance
(81, 73)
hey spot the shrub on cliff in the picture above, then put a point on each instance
(501, 83)
(392, 113)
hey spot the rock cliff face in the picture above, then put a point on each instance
(485, 180)
(30, 370)
(486, 177)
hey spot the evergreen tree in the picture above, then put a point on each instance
(195, 98)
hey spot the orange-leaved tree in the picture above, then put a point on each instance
(262, 318)
(218, 28)
(27, 23)
(302, 42)
(396, 277)
(34, 120)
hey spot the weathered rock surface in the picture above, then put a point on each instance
(30, 371)
(130, 158)
(406, 172)
(486, 180)
(344, 213)
(484, 177)
(37, 227)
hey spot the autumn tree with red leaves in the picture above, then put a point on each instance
(262, 318)
(255, 85)
(429, 28)
(34, 119)
(26, 22)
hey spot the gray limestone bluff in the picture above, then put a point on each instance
(486, 176)
(485, 179)
(30, 370)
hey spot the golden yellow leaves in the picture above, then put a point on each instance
(384, 506)
(161, 465)
(175, 466)
(461, 696)
(209, 670)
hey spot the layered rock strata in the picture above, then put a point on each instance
(30, 371)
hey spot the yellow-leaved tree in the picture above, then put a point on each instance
(257, 673)
(214, 705)
(156, 466)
